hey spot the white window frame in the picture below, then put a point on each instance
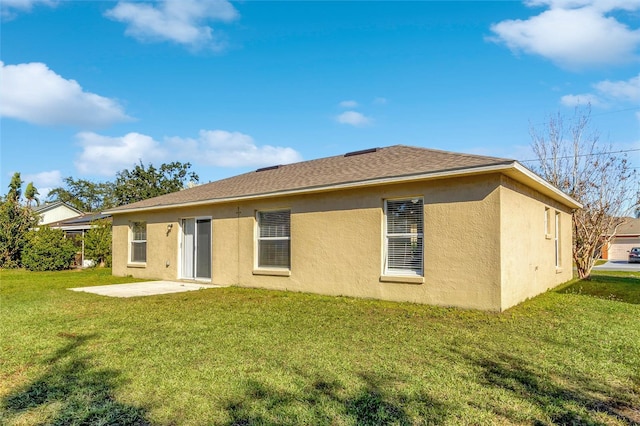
(133, 240)
(418, 236)
(259, 238)
(547, 223)
(556, 242)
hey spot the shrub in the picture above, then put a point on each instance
(15, 222)
(48, 250)
(97, 243)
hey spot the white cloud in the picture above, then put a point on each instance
(180, 21)
(50, 178)
(573, 33)
(607, 93)
(348, 104)
(9, 8)
(583, 99)
(34, 93)
(354, 118)
(379, 100)
(44, 181)
(231, 149)
(601, 5)
(623, 90)
(104, 155)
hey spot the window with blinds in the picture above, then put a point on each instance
(404, 249)
(274, 239)
(139, 242)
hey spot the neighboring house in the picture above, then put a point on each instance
(397, 223)
(76, 228)
(627, 236)
(79, 224)
(55, 212)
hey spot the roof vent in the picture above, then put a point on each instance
(264, 169)
(364, 151)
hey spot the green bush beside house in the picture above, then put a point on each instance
(97, 243)
(48, 250)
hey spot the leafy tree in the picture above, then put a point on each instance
(143, 182)
(48, 250)
(15, 222)
(573, 159)
(31, 194)
(97, 242)
(84, 195)
(130, 186)
(15, 188)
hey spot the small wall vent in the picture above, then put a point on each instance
(361, 152)
(264, 169)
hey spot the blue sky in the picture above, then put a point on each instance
(92, 87)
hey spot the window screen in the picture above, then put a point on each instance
(274, 239)
(139, 242)
(404, 236)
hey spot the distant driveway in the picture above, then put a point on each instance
(618, 265)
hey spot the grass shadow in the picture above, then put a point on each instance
(80, 394)
(569, 400)
(616, 288)
(371, 404)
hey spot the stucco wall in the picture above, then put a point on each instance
(337, 243)
(528, 252)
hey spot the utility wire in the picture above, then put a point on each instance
(587, 155)
(540, 123)
(616, 111)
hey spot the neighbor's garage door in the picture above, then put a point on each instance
(620, 246)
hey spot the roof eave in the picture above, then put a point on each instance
(46, 207)
(73, 228)
(526, 176)
(518, 172)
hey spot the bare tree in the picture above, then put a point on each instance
(572, 158)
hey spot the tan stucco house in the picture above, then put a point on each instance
(397, 223)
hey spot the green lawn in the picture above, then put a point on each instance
(620, 286)
(237, 356)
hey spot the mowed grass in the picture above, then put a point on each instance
(621, 286)
(234, 356)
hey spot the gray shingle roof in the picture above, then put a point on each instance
(390, 162)
(630, 227)
(50, 206)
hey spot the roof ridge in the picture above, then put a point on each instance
(372, 151)
(391, 162)
(462, 154)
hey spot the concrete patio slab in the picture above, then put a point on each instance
(148, 288)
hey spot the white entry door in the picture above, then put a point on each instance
(196, 249)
